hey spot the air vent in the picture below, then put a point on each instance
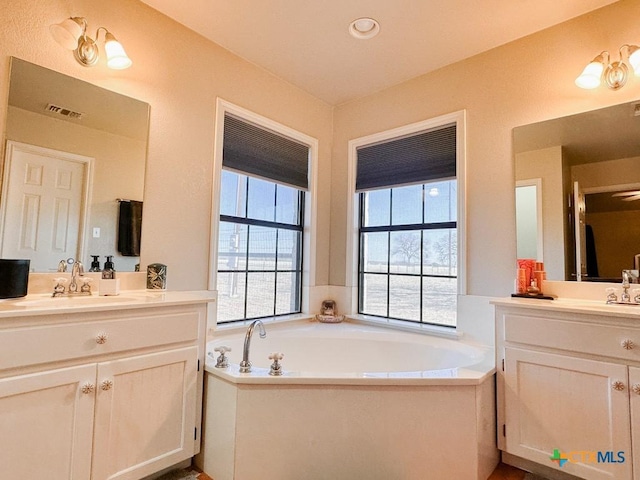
(65, 112)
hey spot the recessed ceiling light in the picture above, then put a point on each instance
(364, 28)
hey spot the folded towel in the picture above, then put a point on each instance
(129, 228)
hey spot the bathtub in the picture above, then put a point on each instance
(354, 402)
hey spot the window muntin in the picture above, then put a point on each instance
(408, 253)
(259, 248)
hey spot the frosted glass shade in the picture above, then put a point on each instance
(116, 56)
(634, 59)
(590, 76)
(67, 32)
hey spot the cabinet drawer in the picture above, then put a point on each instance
(49, 343)
(588, 338)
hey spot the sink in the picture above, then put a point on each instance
(47, 301)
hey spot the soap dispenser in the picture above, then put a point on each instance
(95, 264)
(109, 284)
(109, 269)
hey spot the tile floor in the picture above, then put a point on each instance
(503, 472)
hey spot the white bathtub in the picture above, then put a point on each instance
(320, 353)
(355, 402)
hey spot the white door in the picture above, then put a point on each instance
(44, 204)
(46, 425)
(580, 233)
(566, 407)
(145, 414)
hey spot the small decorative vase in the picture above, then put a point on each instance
(157, 276)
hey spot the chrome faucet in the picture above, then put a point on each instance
(628, 277)
(245, 364)
(77, 270)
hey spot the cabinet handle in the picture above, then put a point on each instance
(618, 385)
(88, 388)
(101, 338)
(636, 388)
(106, 385)
(627, 344)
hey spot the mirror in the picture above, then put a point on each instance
(586, 172)
(74, 154)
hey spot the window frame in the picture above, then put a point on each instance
(309, 204)
(352, 274)
(249, 222)
(389, 229)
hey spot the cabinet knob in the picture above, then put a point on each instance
(101, 338)
(636, 388)
(106, 385)
(627, 344)
(88, 388)
(618, 385)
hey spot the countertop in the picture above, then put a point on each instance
(45, 304)
(568, 305)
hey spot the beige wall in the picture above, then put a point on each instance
(546, 164)
(179, 74)
(520, 83)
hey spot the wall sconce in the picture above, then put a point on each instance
(614, 73)
(72, 35)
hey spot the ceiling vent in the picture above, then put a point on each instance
(65, 112)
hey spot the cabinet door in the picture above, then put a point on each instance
(145, 414)
(46, 424)
(567, 407)
(634, 382)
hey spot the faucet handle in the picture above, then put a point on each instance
(222, 361)
(276, 367)
(636, 295)
(611, 295)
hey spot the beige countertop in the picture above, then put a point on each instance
(45, 304)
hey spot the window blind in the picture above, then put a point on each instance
(260, 152)
(418, 158)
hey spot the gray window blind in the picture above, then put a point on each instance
(260, 152)
(418, 158)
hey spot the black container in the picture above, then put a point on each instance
(14, 278)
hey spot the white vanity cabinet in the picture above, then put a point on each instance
(100, 395)
(569, 381)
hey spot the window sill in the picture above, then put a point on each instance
(242, 325)
(425, 329)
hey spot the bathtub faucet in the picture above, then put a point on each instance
(245, 364)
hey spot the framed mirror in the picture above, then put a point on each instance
(587, 171)
(73, 171)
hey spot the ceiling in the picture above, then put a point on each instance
(307, 42)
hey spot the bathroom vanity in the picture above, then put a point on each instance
(569, 387)
(100, 387)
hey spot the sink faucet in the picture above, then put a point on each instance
(628, 277)
(77, 270)
(245, 364)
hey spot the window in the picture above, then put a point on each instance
(408, 227)
(260, 231)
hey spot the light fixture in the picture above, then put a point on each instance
(614, 73)
(364, 28)
(72, 35)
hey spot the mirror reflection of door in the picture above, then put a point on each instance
(580, 231)
(529, 219)
(44, 194)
